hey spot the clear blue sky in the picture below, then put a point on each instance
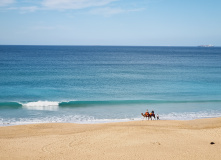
(110, 22)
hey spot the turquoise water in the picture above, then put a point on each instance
(92, 84)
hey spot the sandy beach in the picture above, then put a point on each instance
(145, 139)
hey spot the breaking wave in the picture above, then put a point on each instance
(41, 105)
(55, 104)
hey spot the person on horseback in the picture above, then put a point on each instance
(152, 115)
(147, 113)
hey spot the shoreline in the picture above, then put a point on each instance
(162, 139)
(8, 124)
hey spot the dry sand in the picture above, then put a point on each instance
(171, 140)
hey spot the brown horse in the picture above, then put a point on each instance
(149, 116)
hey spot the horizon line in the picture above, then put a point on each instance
(202, 46)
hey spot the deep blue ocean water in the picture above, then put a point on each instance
(90, 84)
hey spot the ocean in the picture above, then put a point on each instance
(99, 84)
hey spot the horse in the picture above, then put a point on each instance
(149, 116)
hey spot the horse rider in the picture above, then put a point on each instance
(147, 113)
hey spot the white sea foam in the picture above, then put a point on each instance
(41, 105)
(81, 119)
(86, 119)
(190, 115)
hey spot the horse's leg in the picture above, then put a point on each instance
(143, 116)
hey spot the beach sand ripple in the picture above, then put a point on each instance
(195, 139)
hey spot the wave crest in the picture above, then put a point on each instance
(41, 105)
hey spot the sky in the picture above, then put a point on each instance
(110, 22)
